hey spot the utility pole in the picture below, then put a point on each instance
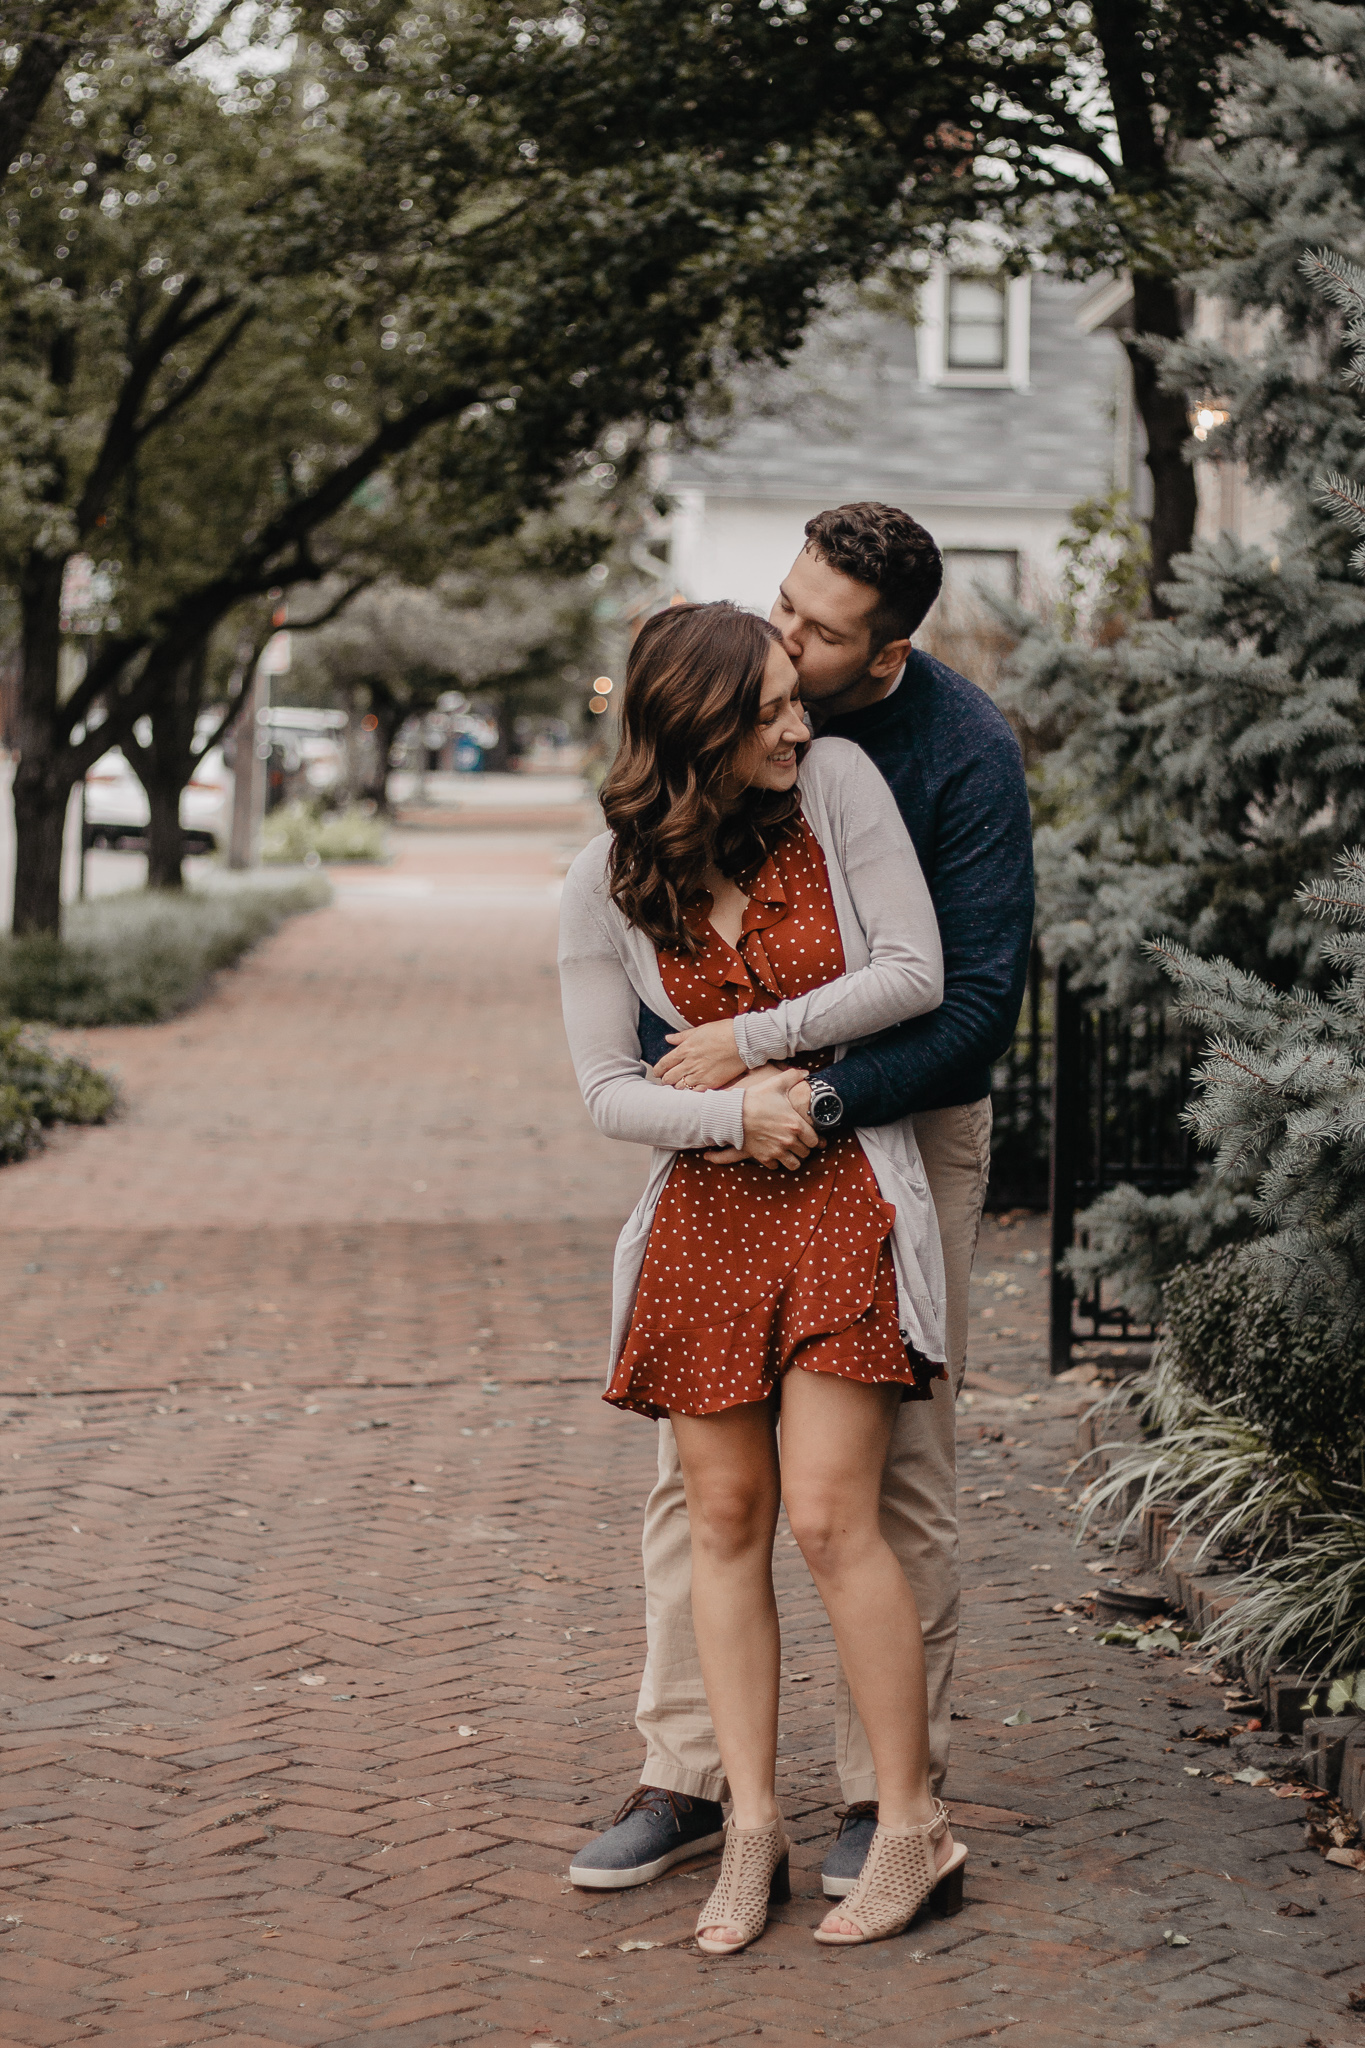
(249, 775)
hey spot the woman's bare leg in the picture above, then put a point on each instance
(835, 1434)
(729, 1464)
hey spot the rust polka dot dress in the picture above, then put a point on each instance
(751, 1270)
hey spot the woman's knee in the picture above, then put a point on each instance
(831, 1531)
(731, 1515)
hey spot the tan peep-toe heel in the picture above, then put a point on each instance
(753, 1875)
(899, 1875)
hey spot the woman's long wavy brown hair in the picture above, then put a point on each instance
(673, 798)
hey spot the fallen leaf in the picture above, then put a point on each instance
(1040, 1567)
(1251, 1776)
(1349, 1859)
(1018, 1718)
(1294, 1911)
(466, 1731)
(81, 1657)
(626, 1947)
(798, 1677)
(1174, 1940)
(312, 1678)
(1193, 1771)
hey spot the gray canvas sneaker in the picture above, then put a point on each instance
(653, 1831)
(844, 1862)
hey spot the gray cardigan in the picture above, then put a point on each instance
(894, 970)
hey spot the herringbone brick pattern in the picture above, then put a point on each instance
(323, 1613)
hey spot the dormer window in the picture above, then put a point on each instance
(974, 327)
(977, 333)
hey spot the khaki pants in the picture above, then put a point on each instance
(919, 1516)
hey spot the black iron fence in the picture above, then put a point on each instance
(1087, 1099)
(1021, 1103)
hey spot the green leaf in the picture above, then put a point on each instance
(1340, 1695)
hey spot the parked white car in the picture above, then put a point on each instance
(117, 811)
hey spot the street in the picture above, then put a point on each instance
(325, 1615)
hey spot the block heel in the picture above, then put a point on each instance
(900, 1876)
(754, 1875)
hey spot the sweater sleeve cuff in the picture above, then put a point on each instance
(758, 1037)
(732, 1120)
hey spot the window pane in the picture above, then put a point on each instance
(976, 324)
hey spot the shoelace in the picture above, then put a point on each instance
(861, 1809)
(647, 1795)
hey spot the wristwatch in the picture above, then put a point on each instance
(826, 1108)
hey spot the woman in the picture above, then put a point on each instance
(762, 892)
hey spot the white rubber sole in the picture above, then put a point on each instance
(589, 1880)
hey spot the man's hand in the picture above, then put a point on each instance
(706, 1057)
(775, 1134)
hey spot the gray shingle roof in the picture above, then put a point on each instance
(860, 424)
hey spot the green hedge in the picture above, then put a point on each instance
(1288, 1375)
(301, 832)
(39, 1088)
(141, 957)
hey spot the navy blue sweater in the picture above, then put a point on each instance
(955, 771)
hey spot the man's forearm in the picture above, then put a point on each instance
(925, 1062)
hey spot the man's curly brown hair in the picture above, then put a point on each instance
(891, 553)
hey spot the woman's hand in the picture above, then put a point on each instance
(706, 1057)
(775, 1134)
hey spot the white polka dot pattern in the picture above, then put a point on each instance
(749, 1271)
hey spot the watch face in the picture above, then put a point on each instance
(826, 1110)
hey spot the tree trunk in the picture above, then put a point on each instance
(1157, 310)
(498, 759)
(166, 765)
(165, 843)
(30, 82)
(43, 778)
(40, 801)
(389, 716)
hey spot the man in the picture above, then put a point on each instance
(846, 612)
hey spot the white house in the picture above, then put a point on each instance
(988, 420)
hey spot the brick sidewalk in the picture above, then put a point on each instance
(324, 1574)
